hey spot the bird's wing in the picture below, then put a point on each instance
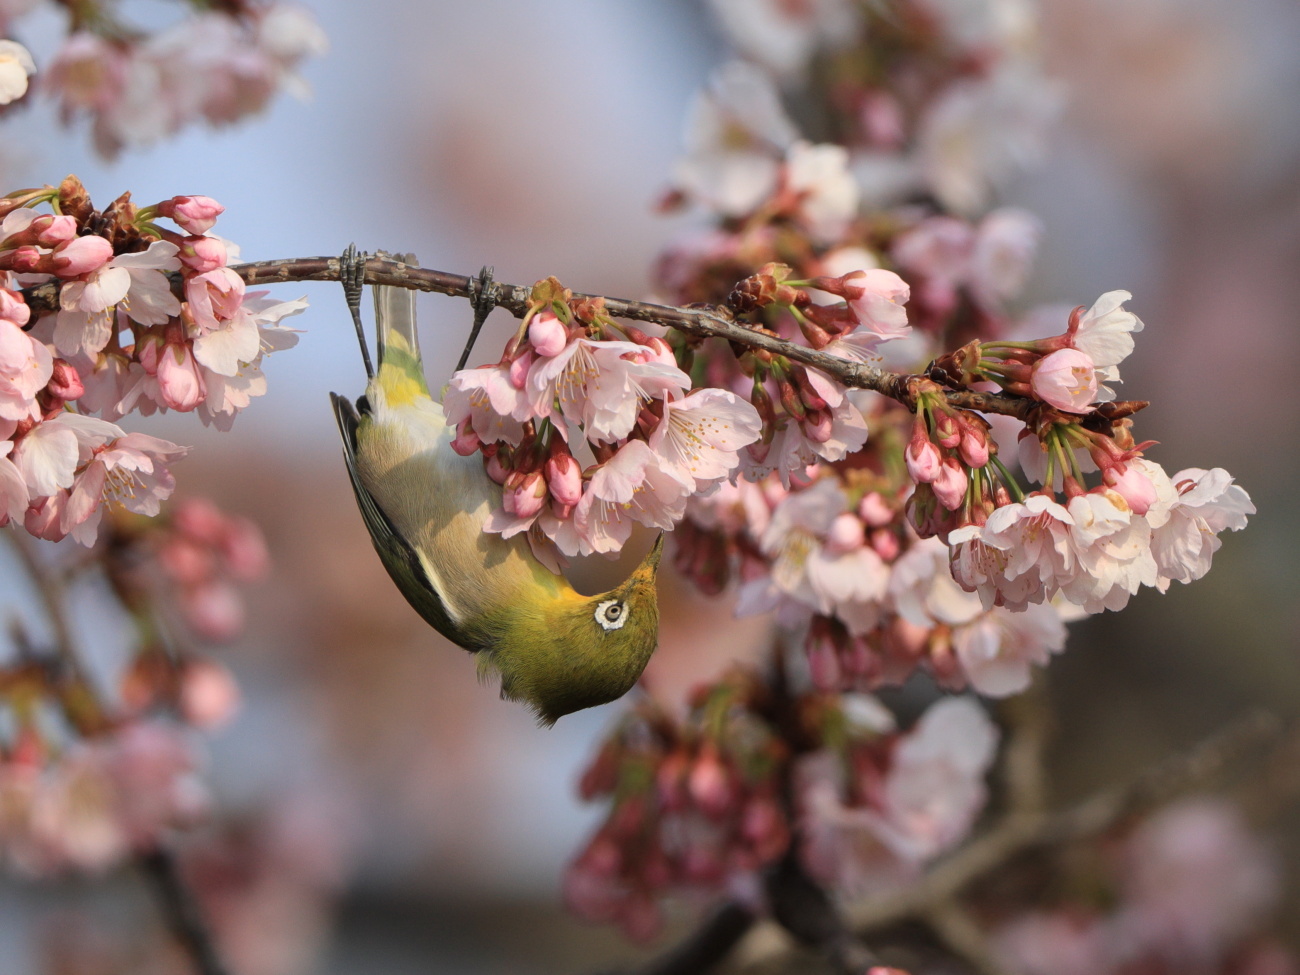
(401, 560)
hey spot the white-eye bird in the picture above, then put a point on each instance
(425, 507)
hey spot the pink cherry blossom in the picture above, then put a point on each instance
(487, 397)
(630, 487)
(1105, 332)
(735, 131)
(1192, 509)
(1112, 548)
(600, 385)
(1022, 554)
(878, 304)
(701, 434)
(13, 488)
(1066, 379)
(826, 191)
(25, 367)
(130, 471)
(935, 786)
(16, 65)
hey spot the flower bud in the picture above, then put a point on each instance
(950, 485)
(924, 460)
(818, 426)
(885, 544)
(947, 431)
(844, 535)
(709, 784)
(193, 214)
(202, 254)
(974, 447)
(564, 475)
(65, 382)
(81, 255)
(530, 494)
(875, 510)
(180, 383)
(209, 696)
(466, 440)
(1066, 379)
(519, 367)
(547, 334)
(1134, 486)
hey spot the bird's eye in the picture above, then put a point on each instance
(611, 614)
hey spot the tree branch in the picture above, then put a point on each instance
(709, 321)
(181, 910)
(710, 944)
(158, 865)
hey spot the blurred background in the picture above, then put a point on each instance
(535, 137)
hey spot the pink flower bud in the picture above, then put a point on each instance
(213, 610)
(45, 516)
(844, 535)
(496, 469)
(709, 784)
(51, 229)
(202, 254)
(1066, 379)
(547, 334)
(81, 255)
(1133, 486)
(817, 426)
(65, 381)
(950, 485)
(823, 663)
(519, 367)
(885, 544)
(209, 696)
(528, 498)
(187, 561)
(13, 308)
(947, 431)
(564, 475)
(974, 448)
(244, 549)
(193, 214)
(466, 440)
(923, 460)
(874, 510)
(180, 384)
(201, 520)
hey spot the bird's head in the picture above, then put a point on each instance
(562, 655)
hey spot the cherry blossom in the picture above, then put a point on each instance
(16, 66)
(1067, 379)
(701, 434)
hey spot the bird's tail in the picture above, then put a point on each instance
(401, 371)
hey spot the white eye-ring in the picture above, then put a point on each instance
(611, 614)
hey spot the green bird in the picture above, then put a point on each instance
(425, 507)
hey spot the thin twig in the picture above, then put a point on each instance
(1020, 832)
(181, 910)
(159, 867)
(710, 321)
(804, 909)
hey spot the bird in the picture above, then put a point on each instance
(425, 507)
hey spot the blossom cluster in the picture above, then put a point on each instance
(105, 798)
(1185, 892)
(217, 65)
(698, 805)
(565, 384)
(116, 338)
(88, 777)
(1002, 492)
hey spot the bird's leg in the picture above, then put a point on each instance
(352, 274)
(485, 299)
